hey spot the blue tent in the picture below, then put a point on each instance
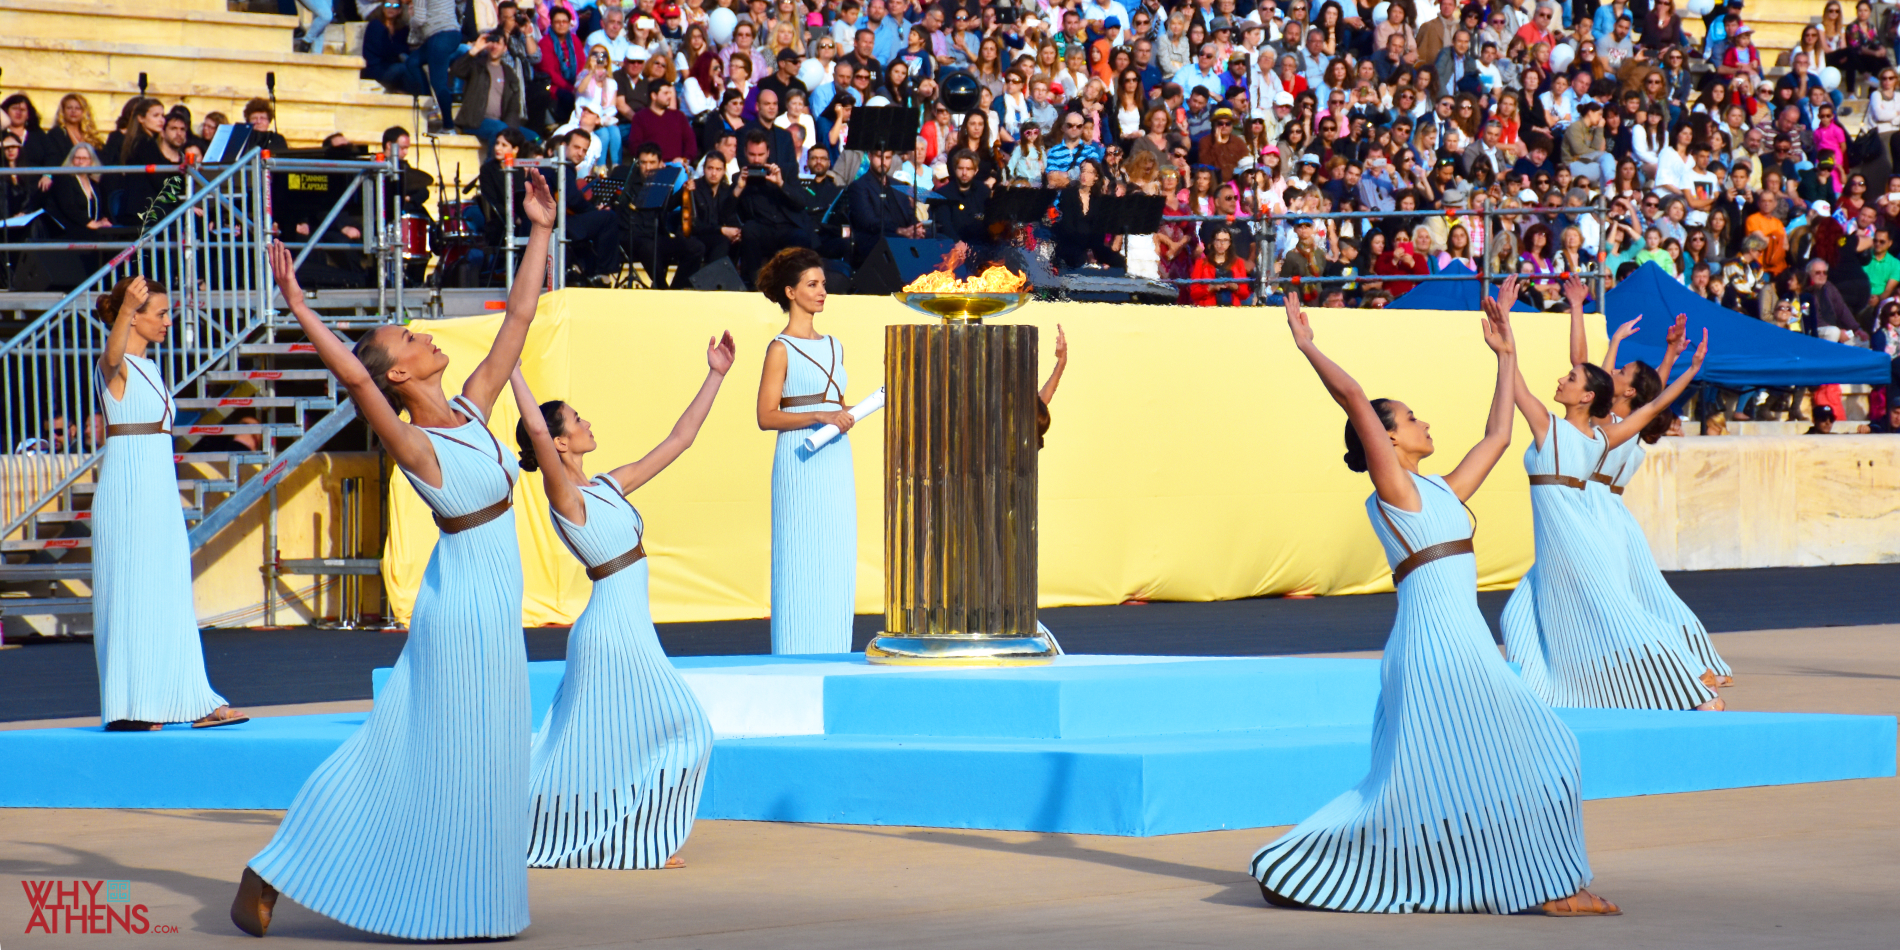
(1743, 352)
(1445, 294)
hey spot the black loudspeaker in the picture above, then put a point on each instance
(40, 271)
(898, 261)
(718, 275)
(837, 277)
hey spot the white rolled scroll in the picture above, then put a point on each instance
(871, 404)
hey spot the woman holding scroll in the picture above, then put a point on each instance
(416, 826)
(1471, 805)
(814, 499)
(617, 770)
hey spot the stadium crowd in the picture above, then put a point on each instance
(1356, 146)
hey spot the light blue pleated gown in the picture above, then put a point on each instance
(1652, 589)
(1471, 805)
(814, 512)
(619, 764)
(144, 625)
(416, 825)
(1575, 626)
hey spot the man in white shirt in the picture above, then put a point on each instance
(613, 35)
(1704, 187)
(1205, 73)
(1097, 11)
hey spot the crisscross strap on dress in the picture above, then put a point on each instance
(161, 427)
(1557, 460)
(831, 381)
(1423, 556)
(456, 524)
(612, 566)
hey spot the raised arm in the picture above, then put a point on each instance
(562, 494)
(1535, 413)
(1391, 480)
(112, 361)
(1048, 392)
(485, 383)
(1623, 332)
(406, 443)
(1632, 425)
(1477, 463)
(719, 356)
(1579, 345)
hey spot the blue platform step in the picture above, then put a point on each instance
(1104, 745)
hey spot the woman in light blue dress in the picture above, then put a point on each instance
(416, 825)
(1638, 384)
(1574, 625)
(1471, 804)
(619, 764)
(144, 626)
(814, 499)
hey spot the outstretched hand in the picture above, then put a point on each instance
(538, 203)
(1062, 345)
(1497, 328)
(1701, 351)
(1574, 291)
(1507, 293)
(1297, 322)
(1627, 329)
(1678, 336)
(283, 269)
(720, 353)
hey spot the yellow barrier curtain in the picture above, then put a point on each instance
(1193, 454)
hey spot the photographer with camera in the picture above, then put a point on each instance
(492, 95)
(770, 218)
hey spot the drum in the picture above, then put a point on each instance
(455, 226)
(415, 237)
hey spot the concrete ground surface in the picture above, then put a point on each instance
(1793, 866)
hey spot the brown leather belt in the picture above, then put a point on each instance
(137, 428)
(474, 519)
(615, 566)
(815, 399)
(1615, 489)
(1424, 556)
(1566, 481)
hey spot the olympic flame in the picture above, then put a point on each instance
(996, 279)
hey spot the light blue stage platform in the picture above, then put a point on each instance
(1101, 745)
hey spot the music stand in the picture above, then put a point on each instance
(654, 195)
(1132, 214)
(885, 129)
(1019, 205)
(227, 144)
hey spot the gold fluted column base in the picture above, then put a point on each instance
(960, 498)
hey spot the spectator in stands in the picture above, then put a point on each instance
(492, 94)
(562, 60)
(386, 47)
(1220, 263)
(614, 37)
(1221, 148)
(309, 39)
(1069, 154)
(879, 210)
(665, 126)
(784, 152)
(260, 115)
(593, 235)
(435, 34)
(785, 78)
(78, 204)
(960, 213)
(1831, 318)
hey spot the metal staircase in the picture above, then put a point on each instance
(228, 356)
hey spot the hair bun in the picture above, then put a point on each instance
(528, 463)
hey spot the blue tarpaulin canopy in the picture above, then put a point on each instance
(1743, 352)
(1445, 294)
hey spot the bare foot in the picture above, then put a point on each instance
(1713, 705)
(251, 908)
(221, 716)
(1582, 904)
(675, 862)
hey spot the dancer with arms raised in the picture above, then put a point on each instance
(1471, 805)
(144, 625)
(1575, 625)
(416, 826)
(618, 768)
(1638, 384)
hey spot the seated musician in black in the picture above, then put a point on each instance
(960, 212)
(879, 211)
(658, 237)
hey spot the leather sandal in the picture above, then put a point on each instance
(133, 725)
(1581, 904)
(674, 862)
(251, 909)
(221, 716)
(1709, 679)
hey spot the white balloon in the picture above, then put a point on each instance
(1560, 57)
(1701, 7)
(1378, 13)
(1830, 78)
(719, 24)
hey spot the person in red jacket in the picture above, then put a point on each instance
(1219, 260)
(563, 58)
